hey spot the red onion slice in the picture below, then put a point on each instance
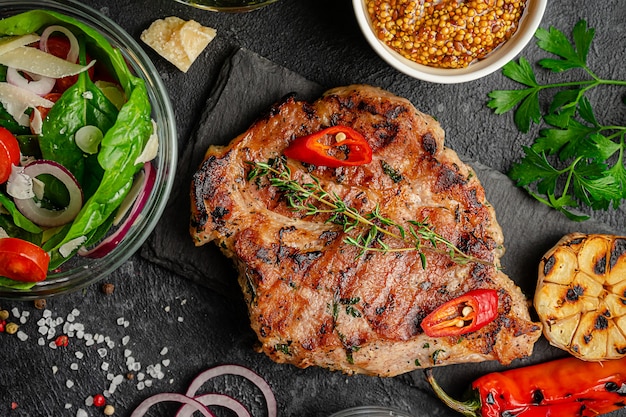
(41, 216)
(219, 400)
(39, 85)
(145, 183)
(195, 403)
(256, 379)
(72, 55)
(145, 405)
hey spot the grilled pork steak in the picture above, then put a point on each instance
(313, 298)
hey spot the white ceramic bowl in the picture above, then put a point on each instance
(82, 271)
(528, 24)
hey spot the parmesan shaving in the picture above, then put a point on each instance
(36, 61)
(9, 43)
(151, 149)
(17, 100)
(177, 40)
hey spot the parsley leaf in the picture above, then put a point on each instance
(576, 159)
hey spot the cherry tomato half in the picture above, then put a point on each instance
(22, 261)
(9, 153)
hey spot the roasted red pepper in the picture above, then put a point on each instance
(333, 147)
(566, 387)
(463, 314)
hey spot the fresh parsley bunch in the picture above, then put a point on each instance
(577, 159)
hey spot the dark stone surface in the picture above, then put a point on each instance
(196, 313)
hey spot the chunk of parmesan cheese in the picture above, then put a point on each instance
(177, 40)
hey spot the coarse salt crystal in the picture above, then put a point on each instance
(120, 321)
(55, 369)
(89, 401)
(51, 332)
(75, 312)
(140, 376)
(126, 323)
(80, 334)
(23, 320)
(52, 345)
(74, 366)
(81, 413)
(104, 366)
(70, 317)
(89, 342)
(141, 386)
(118, 379)
(43, 330)
(167, 309)
(102, 352)
(69, 383)
(41, 322)
(148, 382)
(79, 354)
(125, 340)
(16, 312)
(111, 344)
(59, 321)
(110, 376)
(127, 353)
(164, 351)
(165, 362)
(41, 341)
(68, 406)
(136, 366)
(22, 336)
(180, 319)
(47, 313)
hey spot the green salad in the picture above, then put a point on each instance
(82, 145)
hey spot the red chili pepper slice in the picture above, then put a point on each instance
(333, 147)
(563, 387)
(464, 314)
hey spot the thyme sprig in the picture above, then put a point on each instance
(301, 196)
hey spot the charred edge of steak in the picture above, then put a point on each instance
(204, 184)
(429, 144)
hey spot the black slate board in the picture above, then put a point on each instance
(247, 86)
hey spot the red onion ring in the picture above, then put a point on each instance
(145, 405)
(195, 403)
(250, 375)
(45, 217)
(72, 55)
(39, 85)
(146, 184)
(220, 400)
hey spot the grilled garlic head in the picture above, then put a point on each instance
(581, 295)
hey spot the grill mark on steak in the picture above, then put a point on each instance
(312, 300)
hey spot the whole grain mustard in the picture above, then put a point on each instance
(445, 33)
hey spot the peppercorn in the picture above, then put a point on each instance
(130, 376)
(109, 410)
(107, 288)
(4, 314)
(40, 303)
(2, 325)
(11, 328)
(445, 33)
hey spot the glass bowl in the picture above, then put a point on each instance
(528, 24)
(229, 6)
(79, 272)
(370, 411)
